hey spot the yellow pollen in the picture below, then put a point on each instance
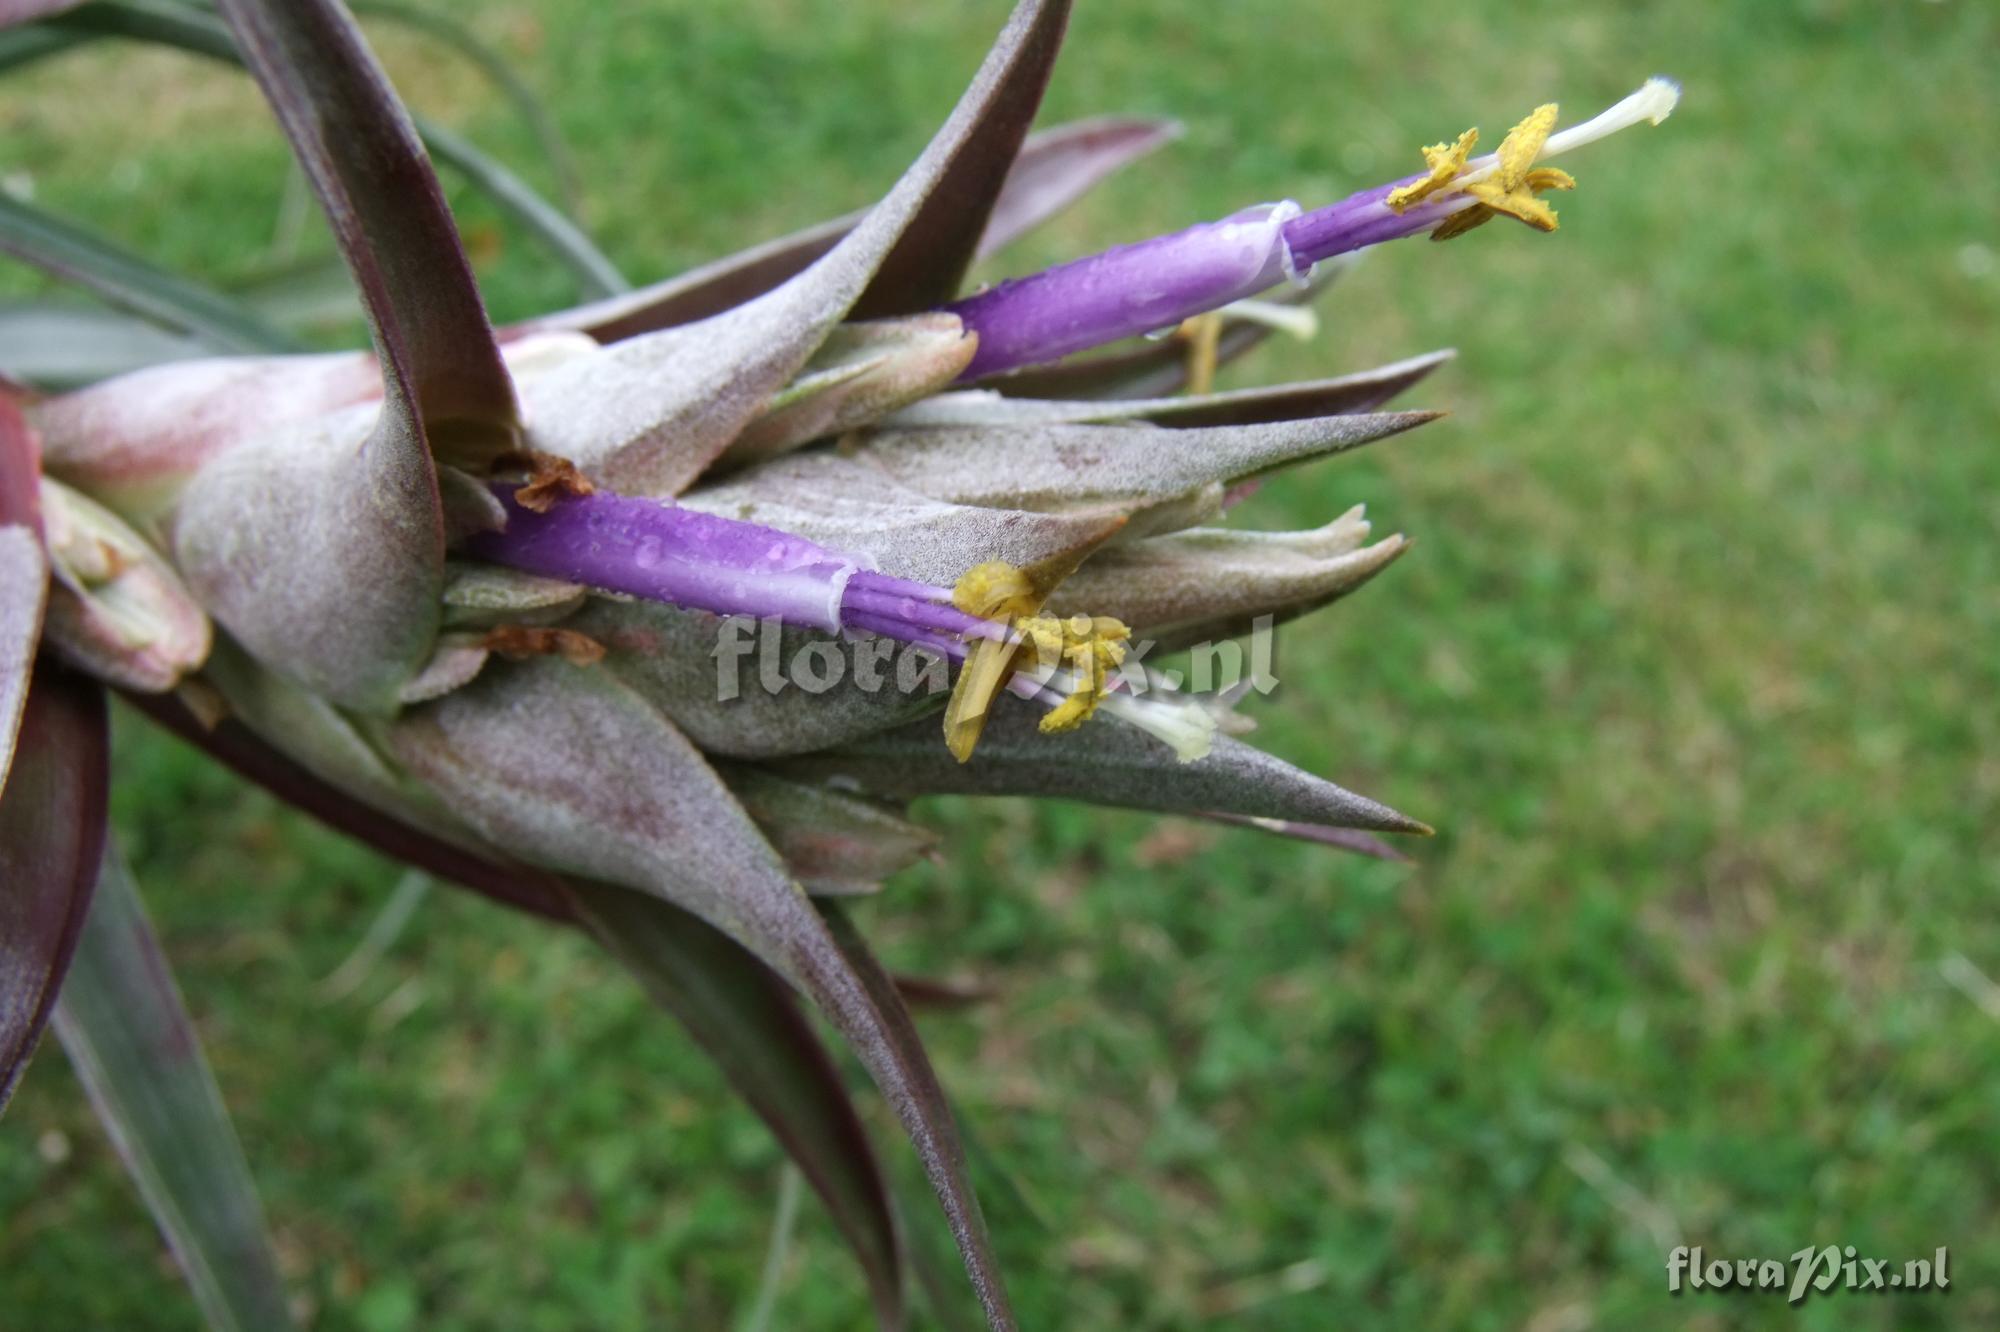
(1516, 183)
(1446, 161)
(1091, 646)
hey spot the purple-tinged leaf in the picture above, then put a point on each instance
(359, 149)
(1361, 392)
(1099, 763)
(24, 568)
(571, 770)
(1344, 839)
(648, 415)
(835, 843)
(1053, 169)
(252, 758)
(51, 840)
(195, 31)
(1059, 166)
(741, 1014)
(928, 263)
(739, 1011)
(134, 1048)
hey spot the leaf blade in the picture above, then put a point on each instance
(356, 142)
(133, 1045)
(51, 839)
(69, 252)
(747, 1020)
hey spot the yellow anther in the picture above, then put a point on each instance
(996, 590)
(1091, 646)
(1446, 161)
(1516, 183)
(1523, 145)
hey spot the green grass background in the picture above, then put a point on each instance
(1694, 665)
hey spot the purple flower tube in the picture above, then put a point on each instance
(1125, 291)
(1156, 283)
(663, 552)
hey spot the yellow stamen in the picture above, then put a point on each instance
(1513, 186)
(1203, 334)
(1523, 144)
(1091, 646)
(1446, 161)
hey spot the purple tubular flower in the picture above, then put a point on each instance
(1156, 283)
(663, 552)
(1125, 291)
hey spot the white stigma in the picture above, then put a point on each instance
(1653, 102)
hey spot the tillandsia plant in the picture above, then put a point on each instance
(482, 598)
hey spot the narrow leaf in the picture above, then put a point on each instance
(359, 149)
(573, 771)
(741, 1014)
(927, 265)
(192, 30)
(1059, 166)
(24, 568)
(134, 1048)
(1363, 391)
(129, 282)
(748, 1021)
(1103, 763)
(444, 28)
(51, 840)
(562, 237)
(1026, 201)
(65, 345)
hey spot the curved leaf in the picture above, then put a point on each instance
(549, 224)
(196, 32)
(24, 568)
(741, 1014)
(134, 1048)
(129, 282)
(1028, 199)
(359, 149)
(927, 265)
(576, 772)
(1056, 167)
(448, 30)
(748, 1021)
(51, 840)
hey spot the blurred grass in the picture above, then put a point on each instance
(1694, 665)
